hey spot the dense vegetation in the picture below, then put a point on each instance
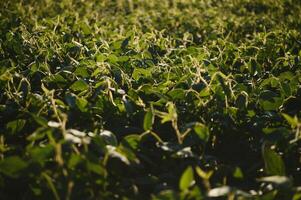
(136, 99)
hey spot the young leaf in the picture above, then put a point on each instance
(81, 104)
(148, 120)
(187, 179)
(140, 72)
(79, 85)
(202, 131)
(293, 121)
(238, 173)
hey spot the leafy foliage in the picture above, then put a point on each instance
(133, 99)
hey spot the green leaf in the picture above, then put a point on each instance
(57, 78)
(40, 120)
(288, 75)
(176, 94)
(205, 92)
(40, 154)
(81, 72)
(148, 120)
(85, 28)
(74, 161)
(140, 72)
(187, 179)
(81, 104)
(113, 58)
(95, 168)
(123, 58)
(273, 162)
(171, 115)
(79, 85)
(12, 166)
(100, 57)
(131, 141)
(286, 88)
(297, 196)
(15, 126)
(293, 121)
(238, 173)
(202, 131)
(270, 100)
